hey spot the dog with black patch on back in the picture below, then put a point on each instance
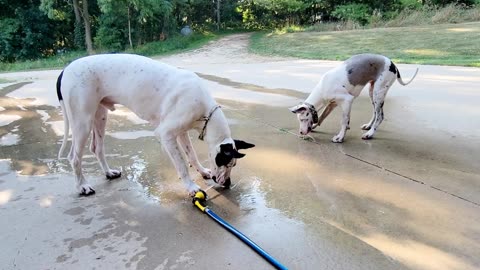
(173, 100)
(341, 85)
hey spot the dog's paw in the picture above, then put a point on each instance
(206, 173)
(227, 183)
(112, 174)
(192, 189)
(338, 139)
(86, 190)
(367, 136)
(366, 127)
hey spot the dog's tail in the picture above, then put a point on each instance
(399, 78)
(66, 126)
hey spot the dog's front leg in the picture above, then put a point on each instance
(346, 104)
(186, 143)
(169, 142)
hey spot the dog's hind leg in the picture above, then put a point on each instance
(370, 123)
(379, 93)
(186, 143)
(97, 145)
(345, 101)
(81, 128)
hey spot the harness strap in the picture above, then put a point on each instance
(206, 119)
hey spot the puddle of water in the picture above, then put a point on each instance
(57, 127)
(6, 119)
(9, 139)
(131, 135)
(44, 115)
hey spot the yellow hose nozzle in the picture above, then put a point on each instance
(199, 200)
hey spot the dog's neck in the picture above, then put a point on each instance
(217, 129)
(314, 99)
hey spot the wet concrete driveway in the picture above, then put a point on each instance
(408, 199)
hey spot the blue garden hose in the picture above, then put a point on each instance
(199, 201)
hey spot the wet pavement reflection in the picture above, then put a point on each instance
(406, 200)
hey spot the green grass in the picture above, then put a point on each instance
(442, 44)
(175, 44)
(5, 80)
(57, 61)
(172, 45)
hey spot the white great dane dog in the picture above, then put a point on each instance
(341, 85)
(172, 100)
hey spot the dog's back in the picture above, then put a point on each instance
(363, 68)
(149, 88)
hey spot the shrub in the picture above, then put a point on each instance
(27, 36)
(356, 12)
(434, 15)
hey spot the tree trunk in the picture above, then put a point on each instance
(76, 10)
(79, 34)
(88, 31)
(218, 14)
(129, 29)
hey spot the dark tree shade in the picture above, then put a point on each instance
(26, 32)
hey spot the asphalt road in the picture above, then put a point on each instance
(408, 199)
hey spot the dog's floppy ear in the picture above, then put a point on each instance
(298, 108)
(226, 154)
(239, 144)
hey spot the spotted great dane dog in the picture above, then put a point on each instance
(174, 101)
(341, 85)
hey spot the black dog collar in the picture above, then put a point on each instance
(206, 119)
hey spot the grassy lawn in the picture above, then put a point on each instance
(172, 45)
(445, 44)
(4, 81)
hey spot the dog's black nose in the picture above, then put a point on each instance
(214, 178)
(227, 184)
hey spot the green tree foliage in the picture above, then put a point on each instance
(25, 33)
(271, 13)
(361, 11)
(61, 16)
(37, 28)
(354, 12)
(124, 23)
(448, 2)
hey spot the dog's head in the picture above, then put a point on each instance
(225, 157)
(307, 116)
